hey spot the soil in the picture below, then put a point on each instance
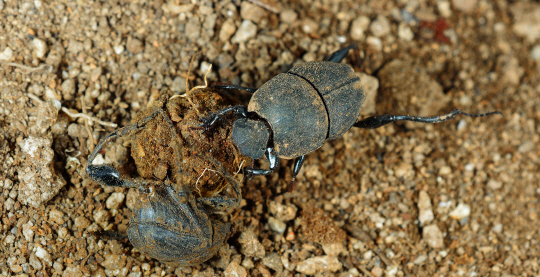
(408, 199)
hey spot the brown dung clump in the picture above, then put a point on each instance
(188, 155)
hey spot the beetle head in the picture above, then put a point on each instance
(251, 137)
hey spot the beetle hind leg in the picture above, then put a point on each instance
(377, 121)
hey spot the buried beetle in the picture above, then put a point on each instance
(296, 112)
(168, 223)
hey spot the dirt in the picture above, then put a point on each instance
(449, 199)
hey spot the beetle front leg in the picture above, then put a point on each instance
(211, 119)
(296, 168)
(274, 164)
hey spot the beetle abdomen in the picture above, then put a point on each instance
(340, 89)
(296, 113)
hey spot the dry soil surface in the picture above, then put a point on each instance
(460, 198)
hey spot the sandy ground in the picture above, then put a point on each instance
(459, 198)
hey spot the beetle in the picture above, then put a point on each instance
(168, 223)
(295, 113)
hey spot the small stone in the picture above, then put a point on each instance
(249, 11)
(370, 85)
(282, 212)
(113, 262)
(461, 211)
(62, 232)
(425, 212)
(51, 94)
(359, 27)
(444, 8)
(68, 88)
(81, 223)
(277, 225)
(380, 27)
(273, 261)
(95, 74)
(333, 249)
(433, 236)
(391, 271)
(132, 198)
(235, 270)
(27, 231)
(535, 53)
(102, 217)
(56, 216)
(43, 255)
(309, 26)
(118, 49)
(319, 264)
(402, 168)
(227, 30)
(420, 259)
(114, 200)
(75, 130)
(34, 262)
(374, 42)
(445, 170)
(178, 85)
(404, 32)
(251, 246)
(465, 6)
(494, 184)
(6, 55)
(526, 147)
(40, 47)
(134, 45)
(246, 31)
(288, 16)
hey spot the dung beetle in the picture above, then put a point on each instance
(296, 112)
(168, 223)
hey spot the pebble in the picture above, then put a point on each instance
(420, 259)
(40, 47)
(319, 264)
(134, 45)
(114, 200)
(273, 261)
(43, 255)
(34, 262)
(526, 147)
(235, 270)
(445, 170)
(391, 271)
(359, 27)
(370, 84)
(81, 223)
(433, 237)
(288, 16)
(6, 55)
(56, 216)
(113, 262)
(425, 212)
(252, 12)
(380, 27)
(444, 8)
(51, 94)
(251, 246)
(277, 225)
(27, 231)
(309, 26)
(282, 212)
(75, 130)
(465, 6)
(227, 30)
(374, 42)
(333, 249)
(246, 31)
(102, 217)
(95, 74)
(404, 32)
(402, 168)
(118, 49)
(461, 211)
(494, 184)
(68, 89)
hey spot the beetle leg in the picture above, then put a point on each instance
(223, 202)
(377, 121)
(230, 86)
(109, 176)
(274, 164)
(338, 56)
(296, 168)
(211, 119)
